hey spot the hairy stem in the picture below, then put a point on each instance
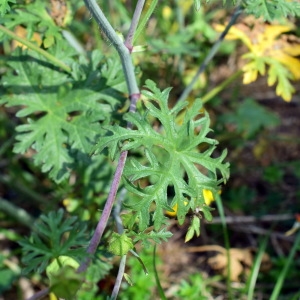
(135, 20)
(117, 42)
(134, 95)
(37, 49)
(210, 55)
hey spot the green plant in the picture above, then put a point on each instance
(71, 106)
(196, 287)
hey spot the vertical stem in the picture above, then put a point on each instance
(284, 271)
(119, 278)
(115, 40)
(134, 95)
(148, 12)
(159, 287)
(227, 244)
(180, 20)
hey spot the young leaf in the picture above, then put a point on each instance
(194, 229)
(53, 236)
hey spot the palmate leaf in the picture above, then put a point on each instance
(53, 236)
(270, 51)
(63, 115)
(272, 9)
(278, 72)
(174, 158)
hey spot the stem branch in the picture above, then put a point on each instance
(134, 95)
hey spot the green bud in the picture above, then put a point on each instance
(120, 244)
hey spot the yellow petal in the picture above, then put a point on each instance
(174, 212)
(208, 197)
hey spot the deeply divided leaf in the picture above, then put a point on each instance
(53, 236)
(61, 116)
(179, 161)
(272, 9)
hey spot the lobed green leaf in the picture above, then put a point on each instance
(53, 236)
(272, 9)
(64, 115)
(178, 157)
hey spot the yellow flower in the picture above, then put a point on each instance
(208, 199)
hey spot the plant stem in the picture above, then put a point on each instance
(116, 41)
(117, 211)
(159, 287)
(17, 213)
(37, 49)
(255, 269)
(210, 55)
(215, 91)
(180, 20)
(134, 95)
(119, 278)
(135, 20)
(281, 277)
(227, 244)
(96, 238)
(120, 230)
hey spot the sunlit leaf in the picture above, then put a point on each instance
(268, 47)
